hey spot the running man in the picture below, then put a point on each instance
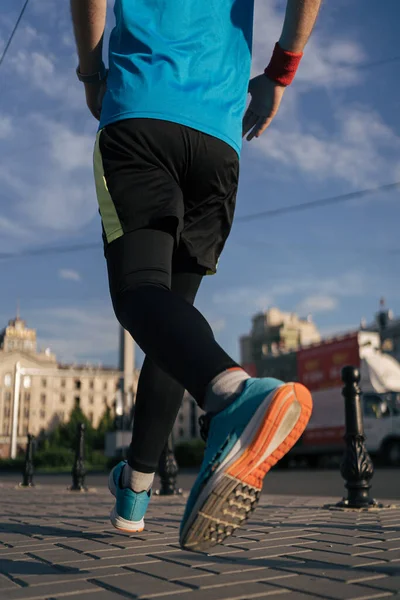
(166, 162)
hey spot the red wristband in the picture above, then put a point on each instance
(283, 65)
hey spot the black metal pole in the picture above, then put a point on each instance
(79, 471)
(27, 480)
(168, 471)
(356, 468)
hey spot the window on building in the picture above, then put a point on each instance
(63, 383)
(42, 414)
(77, 384)
(7, 379)
(44, 382)
(91, 400)
(6, 427)
(27, 382)
(62, 398)
(181, 418)
(26, 412)
(77, 401)
(181, 432)
(105, 385)
(7, 397)
(91, 417)
(105, 400)
(43, 399)
(25, 428)
(7, 411)
(27, 397)
(91, 384)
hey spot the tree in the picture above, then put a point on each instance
(106, 423)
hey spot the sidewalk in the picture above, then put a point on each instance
(56, 544)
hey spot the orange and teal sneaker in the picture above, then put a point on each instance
(244, 441)
(130, 507)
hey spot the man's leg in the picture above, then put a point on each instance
(170, 330)
(158, 401)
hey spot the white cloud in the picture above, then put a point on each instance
(76, 334)
(316, 304)
(44, 74)
(69, 274)
(52, 187)
(355, 145)
(218, 325)
(356, 152)
(6, 127)
(321, 293)
(327, 61)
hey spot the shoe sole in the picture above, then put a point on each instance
(233, 491)
(117, 521)
(125, 525)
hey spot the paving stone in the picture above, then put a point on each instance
(57, 554)
(340, 559)
(6, 584)
(385, 545)
(140, 585)
(388, 583)
(320, 569)
(244, 591)
(170, 571)
(346, 549)
(39, 592)
(224, 565)
(26, 566)
(54, 545)
(259, 574)
(329, 590)
(272, 552)
(99, 563)
(99, 594)
(138, 551)
(72, 575)
(84, 545)
(388, 555)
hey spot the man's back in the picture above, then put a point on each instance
(186, 61)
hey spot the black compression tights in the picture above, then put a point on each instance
(156, 306)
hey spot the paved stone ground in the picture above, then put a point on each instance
(56, 544)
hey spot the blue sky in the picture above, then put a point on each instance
(338, 131)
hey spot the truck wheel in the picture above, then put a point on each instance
(392, 453)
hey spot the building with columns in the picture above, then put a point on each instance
(37, 392)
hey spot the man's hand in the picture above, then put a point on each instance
(94, 97)
(266, 96)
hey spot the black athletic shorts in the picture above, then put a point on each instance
(147, 170)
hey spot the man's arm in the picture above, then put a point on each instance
(267, 89)
(89, 20)
(299, 22)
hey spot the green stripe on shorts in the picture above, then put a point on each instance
(111, 223)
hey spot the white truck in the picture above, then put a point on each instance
(319, 368)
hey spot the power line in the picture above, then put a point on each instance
(268, 213)
(21, 14)
(274, 212)
(45, 251)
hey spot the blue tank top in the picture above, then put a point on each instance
(186, 61)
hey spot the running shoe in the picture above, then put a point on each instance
(130, 507)
(244, 441)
